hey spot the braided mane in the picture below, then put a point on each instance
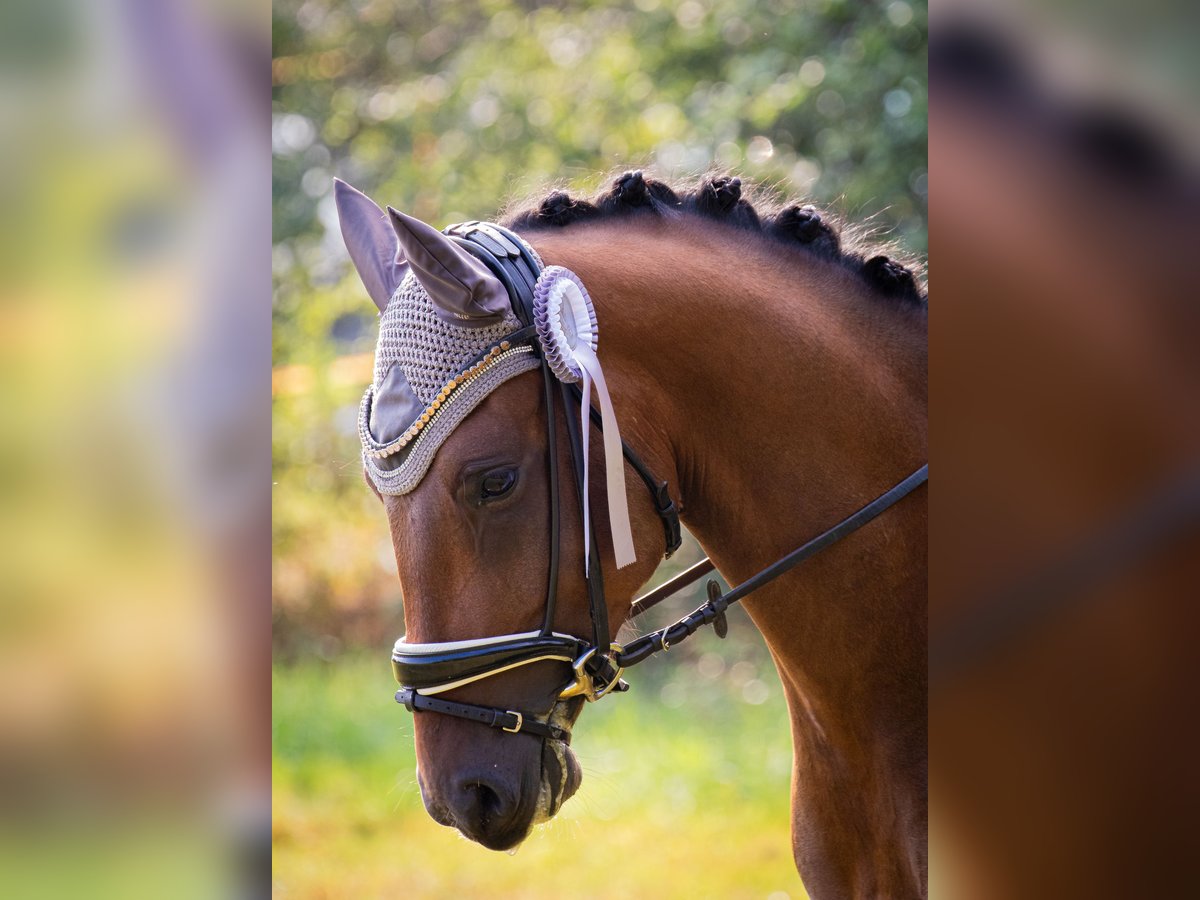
(720, 198)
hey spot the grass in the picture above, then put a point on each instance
(685, 794)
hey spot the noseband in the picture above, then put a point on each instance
(425, 670)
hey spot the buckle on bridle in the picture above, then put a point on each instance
(584, 683)
(520, 722)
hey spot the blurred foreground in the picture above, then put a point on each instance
(134, 581)
(1065, 516)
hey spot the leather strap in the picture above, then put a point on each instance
(594, 578)
(506, 720)
(713, 612)
(503, 253)
(424, 669)
(668, 588)
(548, 383)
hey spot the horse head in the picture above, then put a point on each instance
(457, 447)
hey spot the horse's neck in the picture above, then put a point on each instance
(777, 400)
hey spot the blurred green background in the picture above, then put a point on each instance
(452, 111)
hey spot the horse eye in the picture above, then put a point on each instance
(497, 483)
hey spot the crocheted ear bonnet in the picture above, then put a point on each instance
(437, 357)
(462, 312)
(429, 374)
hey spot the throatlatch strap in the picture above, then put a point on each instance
(506, 720)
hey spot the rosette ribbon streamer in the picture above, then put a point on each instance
(566, 325)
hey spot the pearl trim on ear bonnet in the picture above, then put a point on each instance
(441, 372)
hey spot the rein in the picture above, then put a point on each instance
(713, 611)
(424, 670)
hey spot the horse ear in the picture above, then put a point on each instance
(371, 243)
(462, 288)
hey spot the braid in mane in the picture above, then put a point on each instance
(719, 197)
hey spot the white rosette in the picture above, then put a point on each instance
(567, 330)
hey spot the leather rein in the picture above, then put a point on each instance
(424, 670)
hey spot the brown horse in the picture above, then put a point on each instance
(777, 382)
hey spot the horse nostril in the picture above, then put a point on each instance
(487, 813)
(486, 802)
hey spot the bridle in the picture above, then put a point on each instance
(426, 670)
